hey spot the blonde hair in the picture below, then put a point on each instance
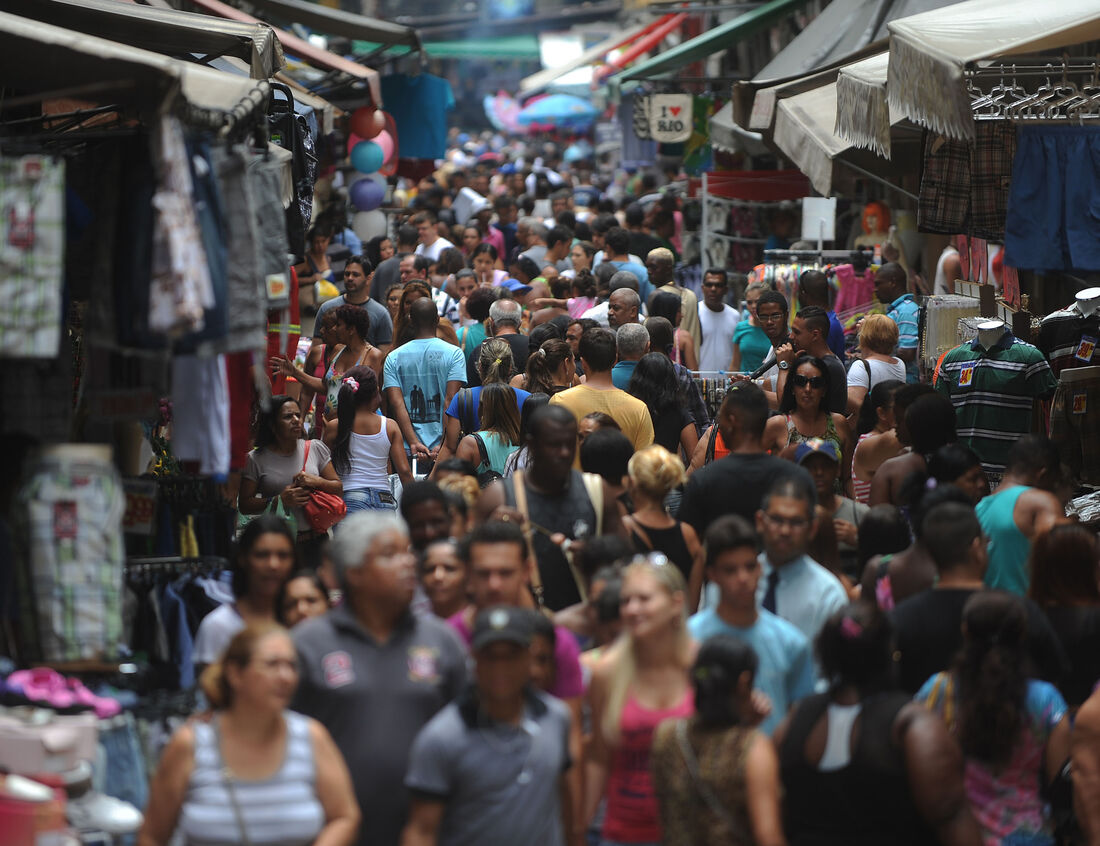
(621, 657)
(465, 486)
(878, 334)
(214, 681)
(494, 362)
(655, 471)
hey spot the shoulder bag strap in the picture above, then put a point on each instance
(711, 441)
(867, 367)
(481, 451)
(230, 788)
(593, 486)
(305, 459)
(519, 490)
(701, 786)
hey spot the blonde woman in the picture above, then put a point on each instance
(878, 338)
(651, 474)
(257, 773)
(640, 682)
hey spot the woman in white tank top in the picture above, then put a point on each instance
(256, 773)
(365, 445)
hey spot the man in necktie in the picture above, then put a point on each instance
(794, 586)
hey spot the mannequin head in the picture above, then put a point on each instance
(876, 218)
(1088, 301)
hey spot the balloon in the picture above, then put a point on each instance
(369, 224)
(379, 178)
(366, 194)
(367, 157)
(354, 139)
(385, 141)
(367, 122)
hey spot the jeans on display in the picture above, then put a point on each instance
(69, 535)
(364, 499)
(120, 764)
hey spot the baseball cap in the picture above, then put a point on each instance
(502, 623)
(816, 446)
(515, 286)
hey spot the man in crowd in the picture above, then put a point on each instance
(505, 319)
(560, 501)
(661, 265)
(794, 586)
(559, 241)
(717, 322)
(786, 669)
(372, 672)
(632, 342)
(419, 380)
(536, 246)
(809, 336)
(928, 626)
(891, 289)
(771, 314)
(737, 483)
(425, 511)
(1022, 508)
(598, 393)
(500, 725)
(388, 271)
(617, 279)
(506, 223)
(617, 252)
(642, 243)
(431, 244)
(622, 307)
(414, 266)
(814, 290)
(357, 285)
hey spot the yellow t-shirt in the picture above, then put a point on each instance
(629, 412)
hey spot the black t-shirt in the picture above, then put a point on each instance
(668, 425)
(928, 635)
(1078, 630)
(838, 385)
(734, 485)
(520, 349)
(641, 243)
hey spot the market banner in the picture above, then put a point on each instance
(670, 117)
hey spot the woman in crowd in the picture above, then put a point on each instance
(654, 382)
(283, 465)
(581, 257)
(929, 424)
(878, 338)
(1013, 730)
(263, 561)
(651, 474)
(863, 764)
(884, 531)
(315, 268)
(519, 459)
(414, 290)
(443, 575)
(256, 773)
(378, 249)
(316, 364)
(471, 237)
(498, 435)
(484, 263)
(876, 420)
(750, 344)
(302, 596)
(366, 445)
(393, 300)
(640, 682)
(803, 414)
(477, 307)
(465, 283)
(669, 306)
(1064, 584)
(717, 778)
(550, 368)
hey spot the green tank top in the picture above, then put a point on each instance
(1009, 548)
(497, 450)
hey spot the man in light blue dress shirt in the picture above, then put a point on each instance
(794, 586)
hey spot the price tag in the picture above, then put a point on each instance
(1085, 349)
(1080, 403)
(141, 506)
(966, 375)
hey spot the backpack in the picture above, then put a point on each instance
(485, 474)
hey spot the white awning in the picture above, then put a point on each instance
(862, 115)
(804, 132)
(726, 135)
(928, 52)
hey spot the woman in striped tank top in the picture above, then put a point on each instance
(876, 425)
(255, 773)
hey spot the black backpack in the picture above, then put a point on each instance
(485, 474)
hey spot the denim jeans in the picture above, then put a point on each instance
(120, 770)
(363, 499)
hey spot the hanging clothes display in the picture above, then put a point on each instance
(32, 250)
(200, 429)
(1069, 338)
(637, 151)
(419, 105)
(994, 393)
(1075, 424)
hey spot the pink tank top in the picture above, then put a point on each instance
(862, 490)
(631, 801)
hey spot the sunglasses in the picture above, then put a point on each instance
(800, 381)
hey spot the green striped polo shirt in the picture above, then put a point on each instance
(993, 392)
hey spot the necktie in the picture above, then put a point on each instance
(769, 594)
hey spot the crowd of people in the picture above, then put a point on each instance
(566, 605)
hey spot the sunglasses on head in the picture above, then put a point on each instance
(800, 381)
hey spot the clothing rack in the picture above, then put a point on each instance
(830, 256)
(175, 565)
(713, 385)
(1070, 90)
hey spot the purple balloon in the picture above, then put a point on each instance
(367, 195)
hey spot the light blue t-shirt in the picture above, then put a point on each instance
(422, 368)
(905, 312)
(644, 286)
(786, 670)
(621, 373)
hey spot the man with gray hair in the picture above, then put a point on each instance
(372, 672)
(632, 342)
(536, 241)
(619, 279)
(505, 319)
(622, 308)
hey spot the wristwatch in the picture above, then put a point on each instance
(784, 365)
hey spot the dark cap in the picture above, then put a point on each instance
(502, 623)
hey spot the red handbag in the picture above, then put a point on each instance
(323, 510)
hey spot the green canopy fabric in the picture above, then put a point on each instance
(492, 47)
(720, 38)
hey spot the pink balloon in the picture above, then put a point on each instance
(353, 139)
(385, 141)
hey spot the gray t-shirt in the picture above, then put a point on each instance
(374, 698)
(380, 332)
(387, 273)
(500, 783)
(273, 472)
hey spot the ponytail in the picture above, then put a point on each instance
(543, 363)
(359, 387)
(494, 362)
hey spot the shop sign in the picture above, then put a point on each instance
(670, 117)
(141, 506)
